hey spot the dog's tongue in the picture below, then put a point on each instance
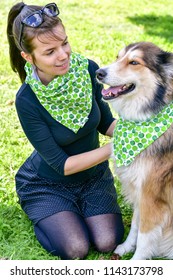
(114, 90)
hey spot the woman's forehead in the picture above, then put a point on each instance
(57, 34)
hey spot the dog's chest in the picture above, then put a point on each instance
(132, 178)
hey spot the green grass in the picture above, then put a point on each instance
(97, 29)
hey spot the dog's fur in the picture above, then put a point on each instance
(147, 182)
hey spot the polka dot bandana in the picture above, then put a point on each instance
(67, 98)
(131, 138)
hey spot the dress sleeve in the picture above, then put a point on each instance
(39, 135)
(106, 114)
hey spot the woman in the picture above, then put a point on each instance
(65, 186)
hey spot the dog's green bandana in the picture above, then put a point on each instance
(131, 138)
(67, 98)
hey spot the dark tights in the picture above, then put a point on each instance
(68, 235)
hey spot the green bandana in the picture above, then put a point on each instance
(67, 98)
(131, 138)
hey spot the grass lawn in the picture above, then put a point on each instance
(97, 29)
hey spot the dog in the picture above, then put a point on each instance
(140, 91)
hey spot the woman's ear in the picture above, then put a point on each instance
(27, 57)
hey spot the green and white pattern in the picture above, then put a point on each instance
(131, 138)
(67, 98)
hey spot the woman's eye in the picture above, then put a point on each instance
(66, 42)
(49, 53)
(133, 62)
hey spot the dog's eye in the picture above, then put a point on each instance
(133, 62)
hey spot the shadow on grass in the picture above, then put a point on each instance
(160, 26)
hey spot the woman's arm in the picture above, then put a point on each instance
(87, 160)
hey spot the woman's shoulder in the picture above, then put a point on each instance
(25, 95)
(93, 66)
(23, 91)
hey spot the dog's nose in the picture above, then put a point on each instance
(100, 74)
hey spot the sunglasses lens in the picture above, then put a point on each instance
(51, 10)
(33, 20)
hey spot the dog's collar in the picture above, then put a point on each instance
(131, 138)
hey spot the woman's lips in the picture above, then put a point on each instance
(63, 65)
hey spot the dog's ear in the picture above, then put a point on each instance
(165, 58)
(165, 63)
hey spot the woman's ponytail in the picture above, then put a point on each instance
(16, 60)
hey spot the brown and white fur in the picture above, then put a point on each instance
(140, 83)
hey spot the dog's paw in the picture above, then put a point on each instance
(142, 254)
(120, 250)
(124, 248)
(139, 257)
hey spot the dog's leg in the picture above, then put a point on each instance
(147, 244)
(129, 244)
(153, 216)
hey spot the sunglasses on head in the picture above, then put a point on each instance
(35, 19)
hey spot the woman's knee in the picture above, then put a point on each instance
(105, 243)
(106, 231)
(71, 248)
(76, 250)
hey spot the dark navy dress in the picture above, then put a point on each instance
(41, 185)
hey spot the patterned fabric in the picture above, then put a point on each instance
(67, 98)
(131, 138)
(41, 197)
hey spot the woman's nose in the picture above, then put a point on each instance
(62, 54)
